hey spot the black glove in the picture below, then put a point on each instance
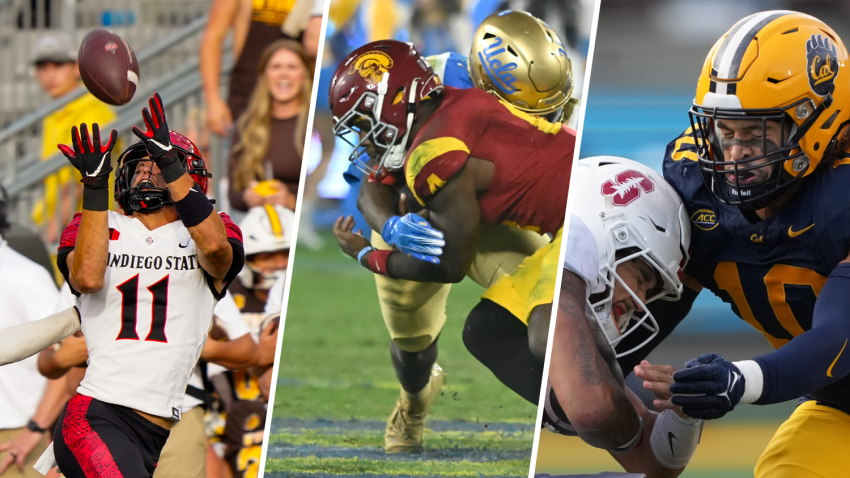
(157, 141)
(709, 388)
(94, 161)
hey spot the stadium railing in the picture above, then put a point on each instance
(21, 169)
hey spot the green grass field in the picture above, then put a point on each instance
(336, 387)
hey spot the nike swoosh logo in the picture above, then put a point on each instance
(670, 437)
(735, 378)
(797, 233)
(99, 167)
(829, 371)
(184, 246)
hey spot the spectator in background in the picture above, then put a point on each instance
(55, 62)
(266, 163)
(29, 404)
(255, 25)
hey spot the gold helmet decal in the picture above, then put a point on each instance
(371, 65)
(822, 60)
(519, 59)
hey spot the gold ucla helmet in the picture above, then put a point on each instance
(521, 60)
(774, 66)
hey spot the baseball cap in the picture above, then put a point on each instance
(55, 47)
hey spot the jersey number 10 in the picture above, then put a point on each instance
(129, 301)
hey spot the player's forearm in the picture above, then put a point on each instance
(233, 354)
(402, 266)
(376, 203)
(812, 360)
(88, 260)
(595, 401)
(215, 253)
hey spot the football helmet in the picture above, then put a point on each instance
(143, 198)
(628, 206)
(266, 228)
(774, 66)
(521, 60)
(374, 96)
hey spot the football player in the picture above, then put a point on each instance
(763, 174)
(388, 95)
(628, 238)
(147, 282)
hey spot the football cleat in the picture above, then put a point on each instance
(407, 422)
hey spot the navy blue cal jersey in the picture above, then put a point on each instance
(770, 272)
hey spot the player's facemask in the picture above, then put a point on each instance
(372, 138)
(752, 183)
(601, 304)
(144, 197)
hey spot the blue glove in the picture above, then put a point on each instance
(413, 235)
(709, 388)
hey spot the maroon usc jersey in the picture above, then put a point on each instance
(532, 157)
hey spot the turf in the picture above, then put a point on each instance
(335, 369)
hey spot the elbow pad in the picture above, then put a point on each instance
(25, 340)
(674, 439)
(634, 442)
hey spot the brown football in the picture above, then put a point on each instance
(108, 67)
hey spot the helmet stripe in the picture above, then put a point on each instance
(727, 61)
(277, 230)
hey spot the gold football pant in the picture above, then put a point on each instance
(532, 284)
(185, 451)
(813, 443)
(415, 312)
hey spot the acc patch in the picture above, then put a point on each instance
(821, 63)
(704, 219)
(628, 187)
(371, 65)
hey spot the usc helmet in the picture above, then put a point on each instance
(521, 60)
(374, 96)
(629, 208)
(774, 66)
(150, 199)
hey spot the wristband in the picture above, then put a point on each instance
(753, 380)
(33, 427)
(378, 262)
(674, 439)
(363, 253)
(95, 199)
(194, 208)
(172, 169)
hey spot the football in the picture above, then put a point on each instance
(108, 67)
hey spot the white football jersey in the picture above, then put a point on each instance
(146, 327)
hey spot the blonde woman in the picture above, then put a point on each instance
(266, 162)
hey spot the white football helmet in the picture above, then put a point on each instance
(264, 229)
(627, 205)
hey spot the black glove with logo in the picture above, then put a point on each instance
(94, 161)
(157, 141)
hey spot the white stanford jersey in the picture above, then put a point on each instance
(146, 327)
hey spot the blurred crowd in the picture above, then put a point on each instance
(262, 117)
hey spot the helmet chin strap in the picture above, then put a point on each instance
(395, 158)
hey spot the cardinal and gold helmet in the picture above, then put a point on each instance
(773, 71)
(521, 60)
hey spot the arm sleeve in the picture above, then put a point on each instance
(66, 244)
(817, 357)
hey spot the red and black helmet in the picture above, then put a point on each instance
(374, 95)
(150, 199)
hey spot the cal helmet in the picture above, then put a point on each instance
(145, 197)
(774, 66)
(266, 228)
(374, 96)
(521, 60)
(630, 209)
